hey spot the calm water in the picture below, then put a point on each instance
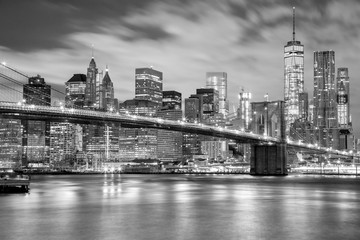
(183, 207)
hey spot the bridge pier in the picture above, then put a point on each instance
(268, 160)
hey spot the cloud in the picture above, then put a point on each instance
(183, 39)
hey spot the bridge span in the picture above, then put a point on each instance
(81, 116)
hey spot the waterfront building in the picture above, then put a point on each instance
(218, 81)
(75, 91)
(138, 143)
(36, 134)
(149, 85)
(65, 143)
(10, 143)
(325, 99)
(215, 150)
(193, 114)
(171, 100)
(244, 110)
(294, 78)
(169, 143)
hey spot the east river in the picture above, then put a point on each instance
(133, 207)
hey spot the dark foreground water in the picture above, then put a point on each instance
(183, 207)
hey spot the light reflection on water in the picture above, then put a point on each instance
(114, 206)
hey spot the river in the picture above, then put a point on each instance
(133, 207)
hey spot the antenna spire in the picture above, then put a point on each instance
(92, 50)
(293, 23)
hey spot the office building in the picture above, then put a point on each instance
(215, 150)
(10, 143)
(343, 97)
(210, 102)
(107, 93)
(218, 81)
(294, 77)
(138, 143)
(36, 134)
(92, 87)
(244, 110)
(169, 143)
(343, 109)
(171, 100)
(325, 99)
(75, 91)
(149, 85)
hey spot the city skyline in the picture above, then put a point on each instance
(182, 39)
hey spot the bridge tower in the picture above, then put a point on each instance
(268, 118)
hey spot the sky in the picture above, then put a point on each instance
(184, 39)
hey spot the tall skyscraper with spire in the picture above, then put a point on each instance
(91, 80)
(293, 78)
(107, 93)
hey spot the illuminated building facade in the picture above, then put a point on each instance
(218, 81)
(107, 93)
(171, 100)
(343, 109)
(294, 78)
(210, 102)
(138, 143)
(325, 99)
(193, 113)
(65, 142)
(244, 110)
(149, 85)
(75, 91)
(92, 79)
(215, 150)
(303, 106)
(343, 97)
(169, 143)
(36, 134)
(10, 143)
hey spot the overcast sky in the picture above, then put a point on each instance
(184, 39)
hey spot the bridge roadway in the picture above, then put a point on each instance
(60, 114)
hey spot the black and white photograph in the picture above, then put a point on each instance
(179, 119)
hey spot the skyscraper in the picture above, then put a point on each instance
(91, 85)
(138, 143)
(75, 91)
(36, 134)
(294, 77)
(107, 93)
(148, 85)
(346, 137)
(325, 109)
(244, 110)
(325, 105)
(218, 81)
(171, 100)
(343, 97)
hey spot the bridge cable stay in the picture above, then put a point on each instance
(19, 83)
(26, 76)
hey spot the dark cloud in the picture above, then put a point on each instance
(145, 31)
(43, 24)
